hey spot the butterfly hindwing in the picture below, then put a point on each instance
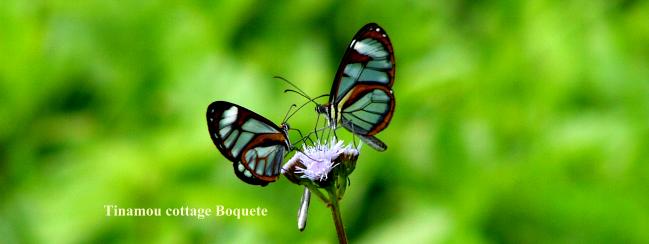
(254, 145)
(368, 111)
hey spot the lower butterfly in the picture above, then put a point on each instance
(254, 144)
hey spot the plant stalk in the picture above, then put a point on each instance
(318, 193)
(338, 220)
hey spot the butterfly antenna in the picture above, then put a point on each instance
(299, 91)
(310, 100)
(287, 112)
(293, 85)
(305, 96)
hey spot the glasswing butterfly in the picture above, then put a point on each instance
(361, 97)
(254, 144)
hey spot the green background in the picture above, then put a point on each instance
(515, 122)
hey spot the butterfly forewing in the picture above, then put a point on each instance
(361, 96)
(254, 145)
(369, 59)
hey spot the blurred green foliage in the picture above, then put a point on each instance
(516, 122)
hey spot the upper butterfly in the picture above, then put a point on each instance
(361, 96)
(255, 145)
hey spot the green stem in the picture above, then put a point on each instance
(338, 220)
(318, 193)
(342, 186)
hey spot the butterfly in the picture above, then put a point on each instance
(361, 97)
(254, 144)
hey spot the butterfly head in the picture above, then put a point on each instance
(328, 110)
(285, 127)
(322, 109)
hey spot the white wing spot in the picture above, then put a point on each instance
(353, 42)
(378, 29)
(383, 35)
(372, 48)
(232, 111)
(228, 117)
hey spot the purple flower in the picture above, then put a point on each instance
(315, 163)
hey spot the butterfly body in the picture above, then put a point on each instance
(361, 98)
(254, 144)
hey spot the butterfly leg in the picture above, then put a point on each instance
(335, 135)
(308, 137)
(354, 136)
(328, 134)
(316, 126)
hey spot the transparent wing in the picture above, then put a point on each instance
(368, 111)
(261, 163)
(369, 60)
(254, 145)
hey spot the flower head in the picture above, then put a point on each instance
(315, 163)
(322, 167)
